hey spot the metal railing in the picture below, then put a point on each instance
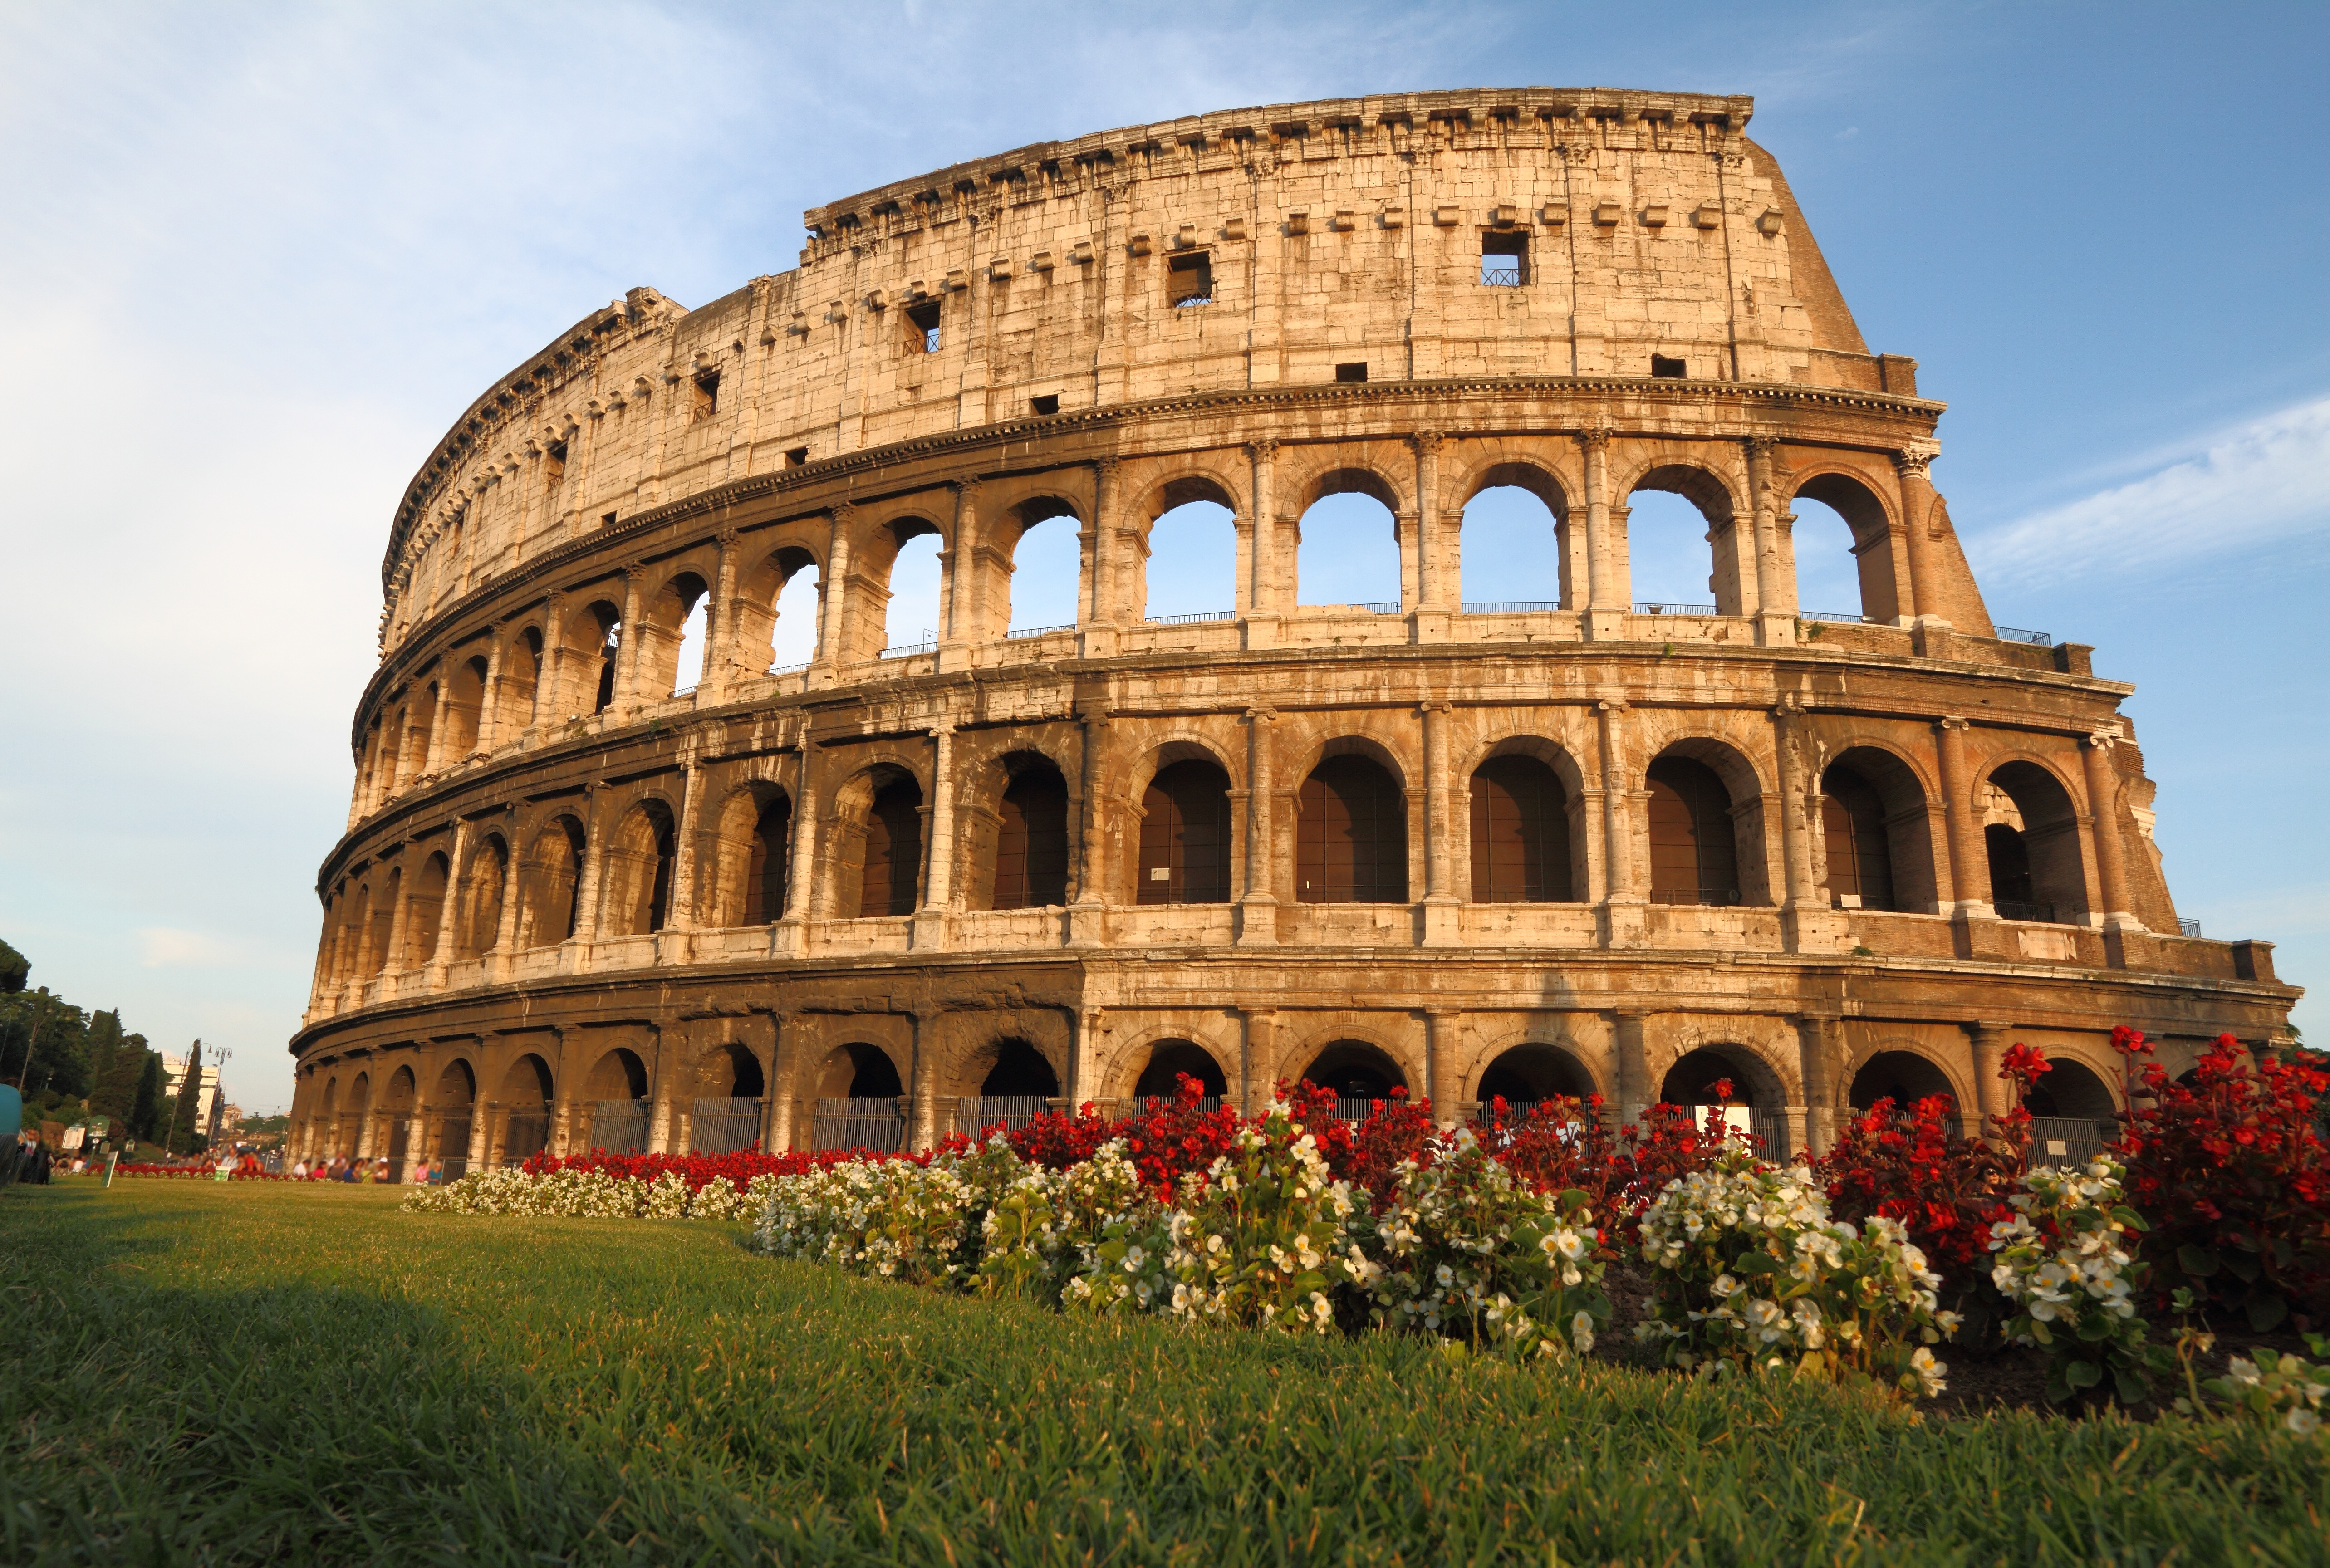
(878, 1126)
(453, 1148)
(1842, 617)
(1193, 299)
(1500, 272)
(790, 669)
(908, 649)
(723, 1125)
(1507, 606)
(2015, 910)
(528, 1134)
(1644, 606)
(975, 1114)
(2017, 633)
(1390, 608)
(2067, 1140)
(2185, 927)
(1190, 619)
(1018, 631)
(619, 1126)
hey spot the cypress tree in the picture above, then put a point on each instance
(185, 1124)
(145, 1108)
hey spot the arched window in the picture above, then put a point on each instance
(520, 698)
(1903, 1077)
(1349, 551)
(1190, 572)
(1171, 1060)
(1683, 556)
(1031, 842)
(552, 884)
(1528, 1074)
(1694, 851)
(910, 620)
(793, 622)
(2032, 833)
(1357, 1072)
(1185, 837)
(2010, 873)
(1752, 1111)
(1520, 833)
(893, 851)
(640, 865)
(482, 893)
(1019, 1072)
(383, 921)
(1046, 577)
(426, 913)
(1844, 553)
(464, 706)
(857, 1100)
(1513, 545)
(1853, 839)
(765, 869)
(1350, 835)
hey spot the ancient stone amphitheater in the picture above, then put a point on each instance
(1471, 847)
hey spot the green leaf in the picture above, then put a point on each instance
(2130, 1218)
(1758, 1263)
(2082, 1374)
(2197, 1262)
(2267, 1310)
(2130, 1384)
(2242, 1266)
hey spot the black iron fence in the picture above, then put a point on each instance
(878, 1126)
(975, 1114)
(723, 1125)
(619, 1126)
(453, 1147)
(528, 1134)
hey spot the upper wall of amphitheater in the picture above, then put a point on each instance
(1333, 234)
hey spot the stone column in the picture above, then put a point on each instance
(789, 937)
(398, 919)
(2103, 809)
(1264, 601)
(633, 644)
(1257, 924)
(1442, 907)
(593, 874)
(1256, 1064)
(1624, 904)
(489, 700)
(1969, 862)
(834, 623)
(959, 594)
(433, 755)
(1435, 566)
(922, 1106)
(1809, 924)
(1441, 1026)
(1098, 636)
(441, 953)
(1636, 1092)
(777, 1110)
(1086, 1031)
(1607, 596)
(1920, 600)
(481, 1127)
(1817, 1058)
(720, 629)
(513, 883)
(1994, 1096)
(681, 915)
(938, 860)
(549, 684)
(664, 1125)
(1776, 590)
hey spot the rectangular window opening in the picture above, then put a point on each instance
(1049, 403)
(923, 327)
(608, 521)
(554, 464)
(795, 457)
(1671, 369)
(1352, 372)
(1504, 260)
(1189, 280)
(708, 393)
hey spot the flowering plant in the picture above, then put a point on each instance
(589, 1192)
(1463, 1246)
(2283, 1391)
(1751, 1272)
(2235, 1179)
(1043, 1226)
(2062, 1259)
(1944, 1188)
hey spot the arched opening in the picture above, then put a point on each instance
(383, 921)
(1753, 1112)
(776, 610)
(1513, 549)
(1350, 835)
(456, 1099)
(465, 700)
(420, 721)
(1184, 851)
(1347, 549)
(1528, 1075)
(1520, 833)
(426, 913)
(1844, 553)
(678, 666)
(2032, 833)
(1694, 849)
(1046, 576)
(640, 860)
(2069, 1090)
(1031, 837)
(330, 1119)
(355, 936)
(795, 616)
(1358, 1074)
(727, 1111)
(909, 617)
(1019, 1072)
(354, 1114)
(1171, 1060)
(483, 891)
(518, 696)
(891, 859)
(1858, 851)
(526, 1126)
(552, 884)
(767, 864)
(1903, 1077)
(606, 650)
(1190, 571)
(858, 1091)
(618, 1092)
(1682, 553)
(396, 1111)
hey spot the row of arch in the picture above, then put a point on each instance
(1528, 837)
(721, 612)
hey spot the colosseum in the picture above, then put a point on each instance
(936, 877)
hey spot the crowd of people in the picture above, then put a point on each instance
(338, 1168)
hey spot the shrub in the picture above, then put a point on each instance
(1042, 1228)
(1563, 1143)
(2234, 1180)
(1751, 1272)
(2282, 1391)
(2062, 1260)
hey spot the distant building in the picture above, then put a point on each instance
(206, 1095)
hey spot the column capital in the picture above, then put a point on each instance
(842, 512)
(1611, 704)
(1595, 438)
(938, 732)
(1435, 706)
(632, 571)
(1427, 442)
(1952, 722)
(2100, 740)
(1761, 448)
(727, 538)
(1262, 716)
(1106, 467)
(964, 489)
(1912, 462)
(1261, 451)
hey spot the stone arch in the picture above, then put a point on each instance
(1730, 558)
(1200, 490)
(730, 1071)
(752, 856)
(354, 1114)
(1902, 1072)
(663, 618)
(484, 888)
(1164, 1060)
(1355, 1068)
(355, 929)
(1544, 849)
(641, 855)
(383, 921)
(1482, 587)
(1016, 822)
(550, 883)
(464, 706)
(1008, 533)
(524, 1119)
(1875, 847)
(1870, 525)
(1533, 1070)
(517, 700)
(857, 1070)
(1011, 1067)
(2071, 1090)
(619, 1073)
(1186, 827)
(1704, 825)
(1691, 1078)
(2037, 871)
(871, 578)
(426, 911)
(875, 847)
(1353, 478)
(761, 599)
(456, 1084)
(1350, 825)
(594, 645)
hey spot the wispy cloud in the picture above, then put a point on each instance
(2258, 483)
(172, 947)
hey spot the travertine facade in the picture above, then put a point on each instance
(1515, 849)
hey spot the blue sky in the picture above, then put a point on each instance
(259, 256)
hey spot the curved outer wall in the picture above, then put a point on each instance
(556, 889)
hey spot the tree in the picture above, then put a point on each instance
(14, 968)
(43, 1045)
(185, 1120)
(146, 1104)
(113, 1088)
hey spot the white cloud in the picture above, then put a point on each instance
(2256, 484)
(169, 948)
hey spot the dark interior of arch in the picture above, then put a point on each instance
(1852, 834)
(1694, 847)
(894, 850)
(2036, 874)
(1350, 835)
(1031, 841)
(1019, 1072)
(1692, 1081)
(766, 870)
(744, 1078)
(1185, 837)
(1520, 833)
(1903, 1077)
(1528, 1074)
(872, 1074)
(619, 1075)
(1172, 1059)
(2069, 1090)
(1355, 1070)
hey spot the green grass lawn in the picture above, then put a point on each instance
(198, 1373)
